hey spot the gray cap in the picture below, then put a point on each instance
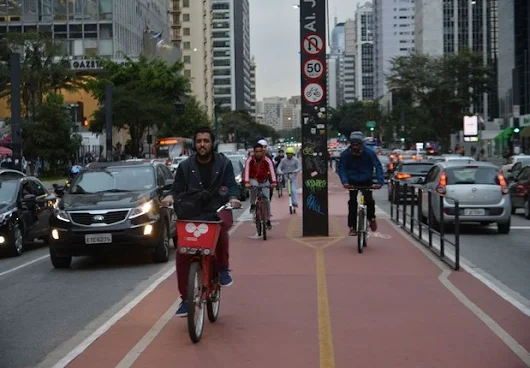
(356, 137)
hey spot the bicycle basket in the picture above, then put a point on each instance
(198, 234)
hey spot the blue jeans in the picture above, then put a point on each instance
(294, 188)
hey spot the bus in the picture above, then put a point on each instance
(170, 148)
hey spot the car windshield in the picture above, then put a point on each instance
(237, 168)
(472, 175)
(8, 191)
(179, 160)
(524, 160)
(416, 168)
(115, 179)
(384, 160)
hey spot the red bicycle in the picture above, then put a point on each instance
(199, 239)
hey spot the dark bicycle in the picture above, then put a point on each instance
(261, 214)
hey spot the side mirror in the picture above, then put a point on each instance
(29, 199)
(168, 183)
(59, 191)
(509, 170)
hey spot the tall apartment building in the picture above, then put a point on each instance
(349, 61)
(191, 24)
(364, 53)
(335, 61)
(231, 54)
(514, 62)
(471, 25)
(272, 111)
(253, 86)
(394, 27)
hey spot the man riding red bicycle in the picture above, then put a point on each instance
(356, 167)
(203, 183)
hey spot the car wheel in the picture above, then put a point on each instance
(504, 228)
(161, 253)
(17, 240)
(527, 209)
(61, 261)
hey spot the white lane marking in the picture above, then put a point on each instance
(498, 287)
(133, 354)
(513, 344)
(123, 312)
(24, 265)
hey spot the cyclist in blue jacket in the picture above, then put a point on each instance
(356, 167)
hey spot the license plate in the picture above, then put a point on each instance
(98, 238)
(474, 212)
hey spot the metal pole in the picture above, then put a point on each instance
(457, 235)
(16, 117)
(108, 120)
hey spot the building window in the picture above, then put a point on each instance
(186, 45)
(187, 73)
(186, 31)
(185, 17)
(186, 59)
(185, 3)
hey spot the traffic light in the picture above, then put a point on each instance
(371, 129)
(516, 130)
(85, 122)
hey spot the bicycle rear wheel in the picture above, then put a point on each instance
(213, 304)
(361, 232)
(195, 302)
(264, 217)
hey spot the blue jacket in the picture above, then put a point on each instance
(359, 169)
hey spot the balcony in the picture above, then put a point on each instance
(175, 7)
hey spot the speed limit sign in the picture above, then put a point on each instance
(313, 69)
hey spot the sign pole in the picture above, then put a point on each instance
(108, 120)
(16, 110)
(314, 111)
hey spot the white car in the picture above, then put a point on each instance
(176, 162)
(506, 169)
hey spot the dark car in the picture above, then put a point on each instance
(238, 163)
(407, 172)
(25, 210)
(113, 204)
(520, 191)
(387, 165)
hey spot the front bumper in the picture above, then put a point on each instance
(128, 234)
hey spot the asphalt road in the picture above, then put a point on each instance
(42, 308)
(506, 258)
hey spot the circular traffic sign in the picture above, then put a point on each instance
(313, 44)
(313, 69)
(313, 92)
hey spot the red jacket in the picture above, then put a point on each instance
(261, 171)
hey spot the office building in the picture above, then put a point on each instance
(335, 62)
(348, 67)
(393, 37)
(253, 86)
(191, 26)
(470, 25)
(231, 54)
(364, 53)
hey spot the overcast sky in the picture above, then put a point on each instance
(274, 42)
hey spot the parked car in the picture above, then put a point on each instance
(479, 187)
(407, 172)
(112, 205)
(25, 209)
(520, 191)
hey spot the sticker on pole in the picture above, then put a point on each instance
(313, 69)
(313, 44)
(313, 93)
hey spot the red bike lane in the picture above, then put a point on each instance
(316, 302)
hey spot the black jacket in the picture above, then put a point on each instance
(188, 179)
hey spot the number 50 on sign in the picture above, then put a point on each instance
(313, 69)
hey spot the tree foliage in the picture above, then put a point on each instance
(146, 94)
(353, 116)
(441, 91)
(243, 127)
(50, 135)
(190, 118)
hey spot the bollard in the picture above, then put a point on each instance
(457, 235)
(404, 208)
(442, 228)
(430, 218)
(413, 200)
(420, 212)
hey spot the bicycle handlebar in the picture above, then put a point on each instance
(227, 206)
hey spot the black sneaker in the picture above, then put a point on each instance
(269, 225)
(252, 208)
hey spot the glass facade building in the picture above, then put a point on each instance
(88, 28)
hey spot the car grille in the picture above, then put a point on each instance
(109, 218)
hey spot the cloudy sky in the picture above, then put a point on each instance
(274, 42)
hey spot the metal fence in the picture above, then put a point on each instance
(418, 218)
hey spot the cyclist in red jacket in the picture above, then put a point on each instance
(258, 169)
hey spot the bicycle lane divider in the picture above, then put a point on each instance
(391, 299)
(114, 338)
(267, 318)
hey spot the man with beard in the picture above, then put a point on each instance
(210, 175)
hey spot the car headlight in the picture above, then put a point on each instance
(62, 215)
(141, 210)
(6, 215)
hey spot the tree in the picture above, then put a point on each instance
(50, 135)
(353, 116)
(243, 126)
(146, 94)
(44, 69)
(441, 89)
(191, 117)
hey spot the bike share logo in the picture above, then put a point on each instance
(197, 231)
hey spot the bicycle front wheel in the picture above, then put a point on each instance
(213, 304)
(264, 218)
(361, 231)
(195, 302)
